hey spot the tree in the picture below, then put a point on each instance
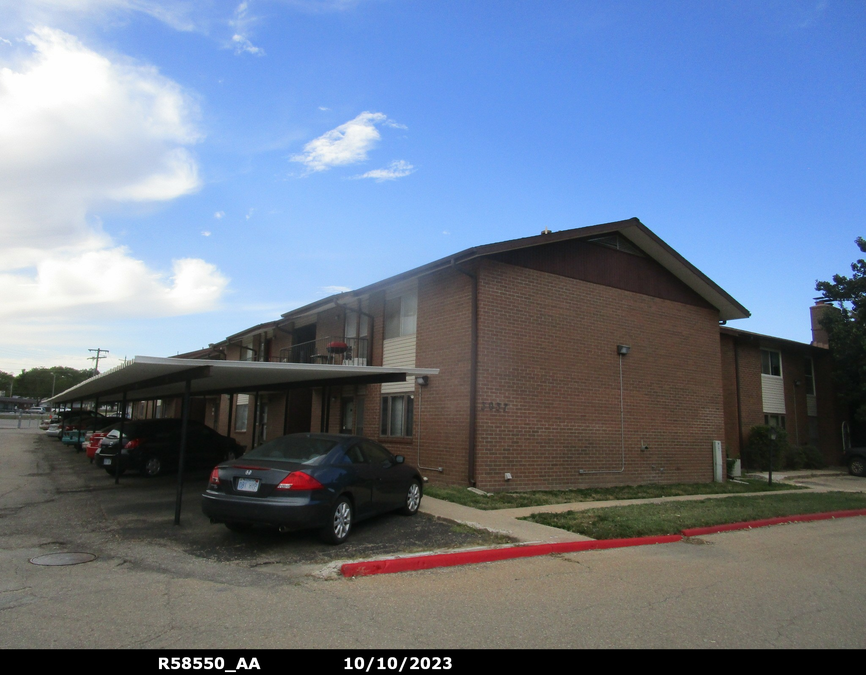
(846, 330)
(38, 383)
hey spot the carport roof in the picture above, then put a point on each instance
(152, 377)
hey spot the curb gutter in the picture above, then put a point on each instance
(425, 562)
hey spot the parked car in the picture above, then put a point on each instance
(58, 421)
(152, 447)
(855, 458)
(92, 440)
(76, 428)
(305, 481)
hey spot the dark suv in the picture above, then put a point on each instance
(855, 458)
(152, 447)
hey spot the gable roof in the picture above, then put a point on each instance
(634, 230)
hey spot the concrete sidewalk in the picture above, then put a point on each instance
(506, 521)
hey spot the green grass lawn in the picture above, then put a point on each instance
(509, 500)
(643, 520)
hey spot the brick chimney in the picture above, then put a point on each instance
(817, 311)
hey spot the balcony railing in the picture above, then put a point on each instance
(336, 350)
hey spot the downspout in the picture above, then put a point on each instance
(473, 370)
(739, 398)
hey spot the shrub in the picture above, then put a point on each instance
(814, 458)
(756, 453)
(795, 457)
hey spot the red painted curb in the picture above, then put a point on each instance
(426, 562)
(696, 531)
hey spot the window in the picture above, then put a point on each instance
(357, 324)
(777, 421)
(401, 315)
(397, 415)
(242, 412)
(771, 363)
(809, 376)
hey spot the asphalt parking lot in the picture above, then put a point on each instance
(140, 511)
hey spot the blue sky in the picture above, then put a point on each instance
(174, 172)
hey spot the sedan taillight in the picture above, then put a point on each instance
(298, 480)
(214, 479)
(134, 443)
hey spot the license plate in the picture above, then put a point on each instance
(248, 484)
(106, 462)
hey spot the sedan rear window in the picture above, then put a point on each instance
(293, 449)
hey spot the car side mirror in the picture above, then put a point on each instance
(399, 459)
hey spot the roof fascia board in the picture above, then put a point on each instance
(632, 228)
(761, 338)
(681, 268)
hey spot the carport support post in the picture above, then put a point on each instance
(183, 425)
(231, 404)
(120, 449)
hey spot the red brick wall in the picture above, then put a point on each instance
(748, 356)
(831, 413)
(547, 351)
(442, 407)
(748, 347)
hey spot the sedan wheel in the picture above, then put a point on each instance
(152, 467)
(857, 466)
(339, 524)
(413, 500)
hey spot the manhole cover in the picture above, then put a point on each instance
(60, 559)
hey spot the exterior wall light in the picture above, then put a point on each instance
(622, 350)
(422, 380)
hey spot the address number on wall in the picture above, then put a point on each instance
(494, 406)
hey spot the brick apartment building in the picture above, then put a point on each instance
(579, 358)
(782, 383)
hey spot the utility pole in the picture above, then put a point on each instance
(99, 352)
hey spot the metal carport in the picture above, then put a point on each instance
(151, 377)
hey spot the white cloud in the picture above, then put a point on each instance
(242, 23)
(179, 14)
(219, 215)
(396, 169)
(349, 143)
(205, 233)
(80, 131)
(86, 131)
(113, 281)
(331, 290)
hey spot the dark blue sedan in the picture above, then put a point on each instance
(304, 481)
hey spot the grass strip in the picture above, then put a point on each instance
(509, 500)
(644, 520)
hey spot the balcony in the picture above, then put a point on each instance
(334, 350)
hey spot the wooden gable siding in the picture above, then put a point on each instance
(606, 266)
